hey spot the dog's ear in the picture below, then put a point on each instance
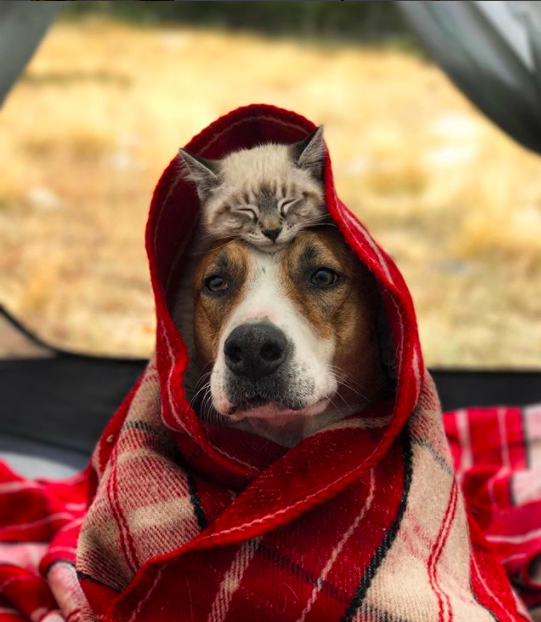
(204, 173)
(309, 153)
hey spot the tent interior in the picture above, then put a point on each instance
(55, 403)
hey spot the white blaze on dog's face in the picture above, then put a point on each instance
(287, 334)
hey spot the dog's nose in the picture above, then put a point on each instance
(272, 234)
(255, 350)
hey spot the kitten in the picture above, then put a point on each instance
(264, 195)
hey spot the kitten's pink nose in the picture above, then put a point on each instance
(272, 234)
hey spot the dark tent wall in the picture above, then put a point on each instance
(492, 51)
(55, 403)
(22, 27)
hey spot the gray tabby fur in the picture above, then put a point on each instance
(264, 195)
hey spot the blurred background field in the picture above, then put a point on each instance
(106, 102)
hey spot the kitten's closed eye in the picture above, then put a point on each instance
(285, 204)
(249, 212)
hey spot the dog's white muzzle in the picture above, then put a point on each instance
(271, 364)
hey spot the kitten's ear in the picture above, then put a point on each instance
(204, 173)
(309, 153)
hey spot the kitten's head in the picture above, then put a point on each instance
(264, 195)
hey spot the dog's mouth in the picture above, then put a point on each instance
(277, 413)
(260, 402)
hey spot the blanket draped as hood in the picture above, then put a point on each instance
(364, 520)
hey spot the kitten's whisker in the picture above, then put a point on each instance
(319, 224)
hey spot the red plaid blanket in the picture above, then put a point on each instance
(364, 521)
(497, 457)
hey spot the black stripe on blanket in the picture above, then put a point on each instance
(387, 542)
(302, 573)
(327, 587)
(196, 502)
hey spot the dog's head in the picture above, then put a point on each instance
(289, 336)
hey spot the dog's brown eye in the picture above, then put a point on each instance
(324, 277)
(215, 284)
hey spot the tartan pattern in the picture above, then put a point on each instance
(39, 526)
(363, 521)
(497, 457)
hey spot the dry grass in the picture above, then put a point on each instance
(103, 108)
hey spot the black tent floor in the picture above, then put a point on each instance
(55, 403)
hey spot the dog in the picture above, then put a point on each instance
(290, 338)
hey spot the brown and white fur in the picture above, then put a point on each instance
(289, 338)
(264, 195)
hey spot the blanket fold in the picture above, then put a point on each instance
(175, 519)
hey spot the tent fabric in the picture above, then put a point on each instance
(492, 51)
(363, 520)
(22, 26)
